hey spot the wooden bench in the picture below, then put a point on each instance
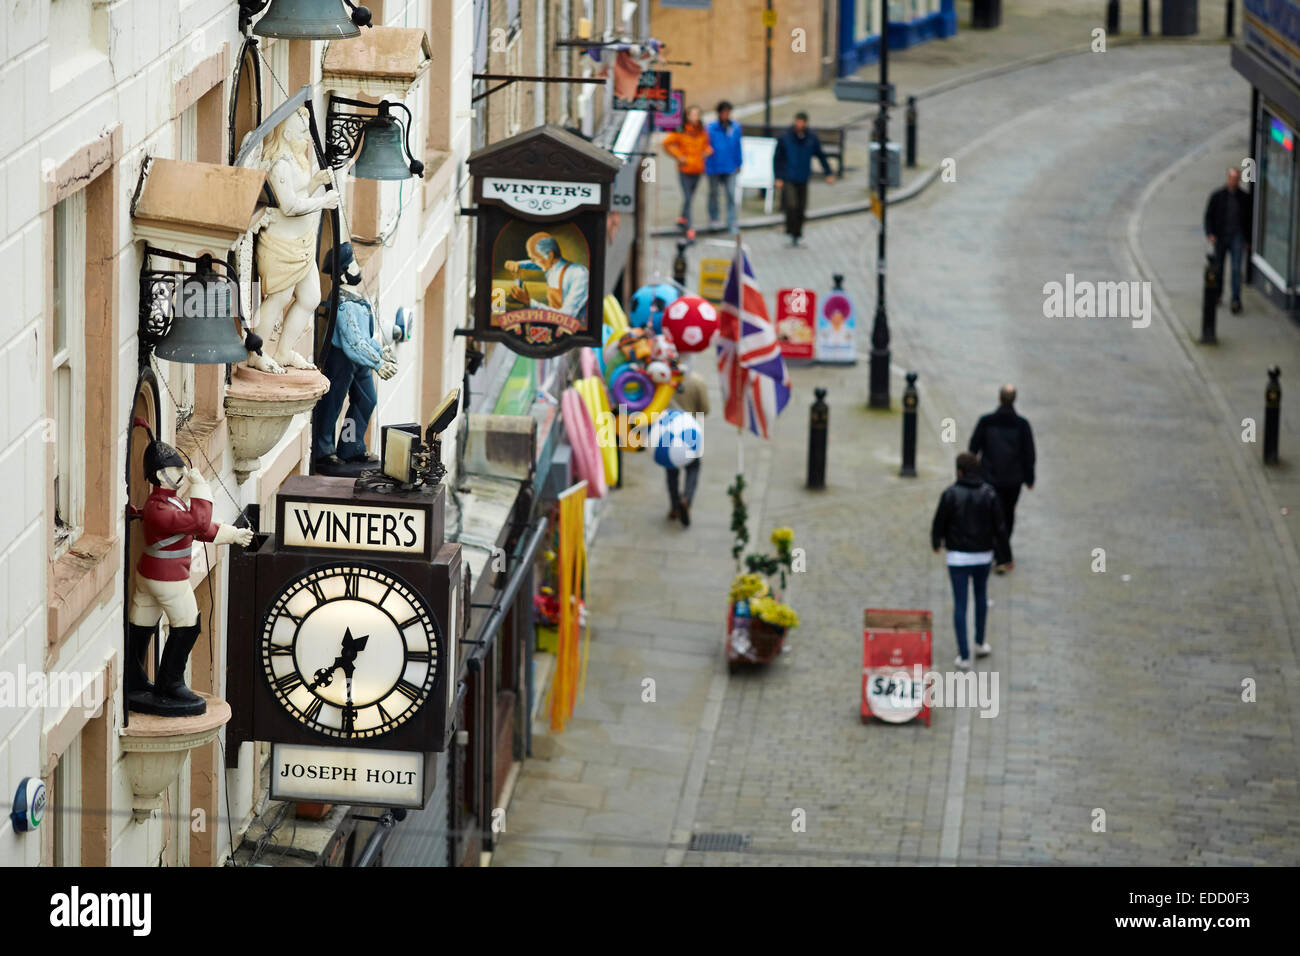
(832, 140)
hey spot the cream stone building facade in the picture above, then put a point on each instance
(92, 90)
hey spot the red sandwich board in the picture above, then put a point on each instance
(895, 660)
(796, 313)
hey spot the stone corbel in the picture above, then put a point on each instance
(155, 749)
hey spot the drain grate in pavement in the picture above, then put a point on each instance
(719, 842)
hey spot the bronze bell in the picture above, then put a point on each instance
(311, 20)
(381, 154)
(204, 326)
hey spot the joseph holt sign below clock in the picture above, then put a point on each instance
(380, 778)
(344, 623)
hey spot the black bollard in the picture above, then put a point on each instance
(1272, 415)
(1112, 17)
(1210, 301)
(819, 421)
(910, 400)
(1229, 15)
(1146, 18)
(911, 132)
(679, 265)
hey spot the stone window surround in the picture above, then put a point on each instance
(84, 576)
(96, 770)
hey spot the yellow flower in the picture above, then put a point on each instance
(782, 536)
(747, 586)
(773, 612)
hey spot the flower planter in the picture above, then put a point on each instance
(751, 639)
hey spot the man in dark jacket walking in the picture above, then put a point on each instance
(969, 523)
(1227, 225)
(1005, 443)
(792, 166)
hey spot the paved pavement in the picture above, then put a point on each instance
(1119, 691)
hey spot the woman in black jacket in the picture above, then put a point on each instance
(970, 524)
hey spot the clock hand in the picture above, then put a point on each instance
(351, 647)
(325, 675)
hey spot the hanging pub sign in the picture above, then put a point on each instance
(675, 115)
(543, 197)
(654, 92)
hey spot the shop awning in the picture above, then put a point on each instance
(197, 208)
(628, 143)
(1264, 76)
(383, 60)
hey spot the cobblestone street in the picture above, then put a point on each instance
(1119, 691)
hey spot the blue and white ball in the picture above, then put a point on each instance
(676, 439)
(643, 312)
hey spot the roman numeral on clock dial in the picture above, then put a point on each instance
(312, 710)
(408, 690)
(289, 682)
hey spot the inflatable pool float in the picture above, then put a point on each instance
(676, 439)
(587, 463)
(614, 316)
(593, 395)
(632, 389)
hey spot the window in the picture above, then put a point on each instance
(67, 806)
(180, 375)
(863, 19)
(68, 371)
(1274, 194)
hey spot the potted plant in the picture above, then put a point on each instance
(757, 620)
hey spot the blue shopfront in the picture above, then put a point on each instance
(1268, 55)
(910, 22)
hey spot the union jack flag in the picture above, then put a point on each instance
(755, 386)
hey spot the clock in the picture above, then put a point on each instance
(349, 650)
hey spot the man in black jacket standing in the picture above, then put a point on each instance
(1227, 225)
(969, 523)
(1005, 443)
(792, 168)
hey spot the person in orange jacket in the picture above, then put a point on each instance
(689, 146)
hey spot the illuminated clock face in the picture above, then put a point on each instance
(350, 650)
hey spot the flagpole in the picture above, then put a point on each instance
(737, 380)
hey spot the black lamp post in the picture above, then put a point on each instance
(878, 395)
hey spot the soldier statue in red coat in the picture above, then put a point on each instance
(171, 522)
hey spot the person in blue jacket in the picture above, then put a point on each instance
(792, 167)
(355, 353)
(723, 165)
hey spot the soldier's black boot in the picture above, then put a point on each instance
(170, 697)
(135, 678)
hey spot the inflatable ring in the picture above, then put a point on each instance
(587, 464)
(633, 388)
(659, 401)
